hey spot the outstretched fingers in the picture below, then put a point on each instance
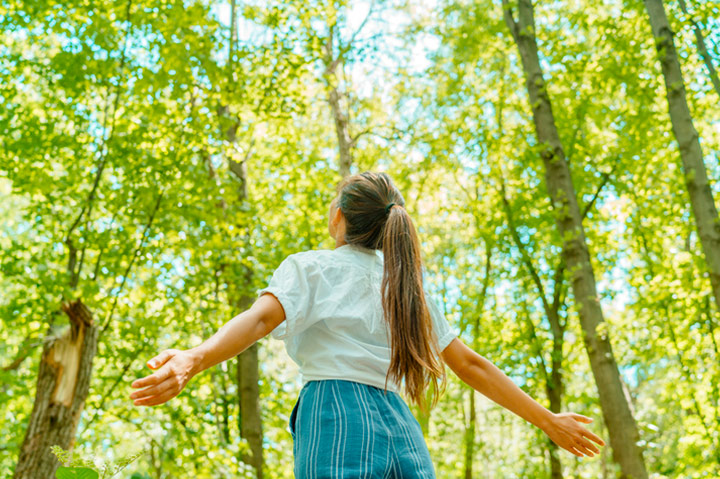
(155, 378)
(163, 397)
(575, 451)
(150, 391)
(593, 437)
(581, 418)
(572, 436)
(580, 450)
(587, 447)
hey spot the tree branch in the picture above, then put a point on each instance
(135, 254)
(603, 182)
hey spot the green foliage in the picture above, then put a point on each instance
(75, 473)
(90, 467)
(121, 128)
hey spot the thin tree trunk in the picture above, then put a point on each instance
(696, 180)
(250, 419)
(555, 389)
(553, 382)
(247, 373)
(622, 428)
(702, 49)
(470, 436)
(247, 376)
(341, 120)
(64, 379)
(62, 387)
(471, 423)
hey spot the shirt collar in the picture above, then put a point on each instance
(360, 249)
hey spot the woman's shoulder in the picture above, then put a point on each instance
(328, 259)
(310, 256)
(310, 260)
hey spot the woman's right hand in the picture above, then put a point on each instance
(566, 431)
(174, 368)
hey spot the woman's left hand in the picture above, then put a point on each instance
(566, 431)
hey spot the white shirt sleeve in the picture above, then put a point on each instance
(445, 333)
(291, 285)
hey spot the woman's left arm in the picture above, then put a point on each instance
(479, 373)
(174, 368)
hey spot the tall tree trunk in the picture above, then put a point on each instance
(622, 428)
(62, 387)
(702, 49)
(247, 372)
(340, 118)
(696, 180)
(64, 379)
(247, 376)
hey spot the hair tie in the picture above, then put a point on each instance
(387, 208)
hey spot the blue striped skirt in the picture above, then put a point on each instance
(344, 429)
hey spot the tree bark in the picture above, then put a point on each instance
(250, 419)
(622, 428)
(341, 120)
(555, 387)
(470, 436)
(247, 373)
(64, 381)
(696, 179)
(62, 387)
(66, 363)
(247, 376)
(471, 423)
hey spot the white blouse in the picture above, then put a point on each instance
(334, 326)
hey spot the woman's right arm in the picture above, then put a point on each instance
(483, 376)
(174, 368)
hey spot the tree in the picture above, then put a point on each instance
(624, 434)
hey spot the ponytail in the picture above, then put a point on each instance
(376, 218)
(414, 346)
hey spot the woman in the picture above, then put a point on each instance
(357, 321)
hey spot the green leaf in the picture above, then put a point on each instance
(76, 473)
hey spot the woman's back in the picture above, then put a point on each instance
(334, 327)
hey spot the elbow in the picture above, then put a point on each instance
(474, 371)
(263, 326)
(468, 365)
(267, 314)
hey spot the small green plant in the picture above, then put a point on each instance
(86, 468)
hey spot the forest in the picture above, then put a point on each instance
(561, 160)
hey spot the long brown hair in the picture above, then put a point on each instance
(375, 218)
